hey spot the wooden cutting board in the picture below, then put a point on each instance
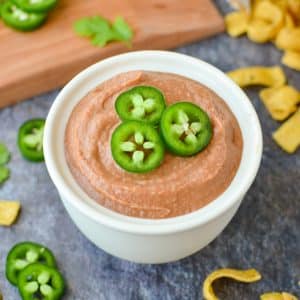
(39, 61)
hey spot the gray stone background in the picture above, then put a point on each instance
(263, 235)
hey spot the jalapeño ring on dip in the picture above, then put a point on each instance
(141, 103)
(137, 147)
(186, 128)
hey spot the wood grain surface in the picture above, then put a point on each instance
(39, 61)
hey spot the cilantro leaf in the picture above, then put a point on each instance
(122, 29)
(82, 27)
(101, 39)
(4, 174)
(88, 27)
(4, 154)
(102, 32)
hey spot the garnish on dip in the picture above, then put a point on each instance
(137, 147)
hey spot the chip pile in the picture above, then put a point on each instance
(281, 101)
(276, 21)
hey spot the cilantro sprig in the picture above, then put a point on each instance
(101, 31)
(4, 159)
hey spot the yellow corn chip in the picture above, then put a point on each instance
(254, 4)
(294, 8)
(280, 101)
(236, 23)
(260, 31)
(291, 59)
(282, 4)
(271, 296)
(288, 39)
(289, 21)
(246, 276)
(287, 136)
(278, 296)
(257, 75)
(9, 211)
(267, 20)
(287, 296)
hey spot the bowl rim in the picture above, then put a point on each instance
(139, 225)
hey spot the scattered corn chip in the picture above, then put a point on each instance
(236, 23)
(246, 276)
(280, 101)
(257, 75)
(288, 39)
(260, 11)
(9, 211)
(267, 20)
(260, 31)
(287, 296)
(294, 8)
(291, 59)
(278, 296)
(289, 21)
(271, 296)
(254, 4)
(287, 136)
(280, 3)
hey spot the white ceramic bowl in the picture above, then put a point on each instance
(145, 240)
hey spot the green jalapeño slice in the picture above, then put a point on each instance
(20, 19)
(37, 6)
(137, 147)
(24, 254)
(30, 139)
(38, 281)
(141, 103)
(186, 128)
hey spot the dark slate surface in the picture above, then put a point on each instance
(264, 234)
